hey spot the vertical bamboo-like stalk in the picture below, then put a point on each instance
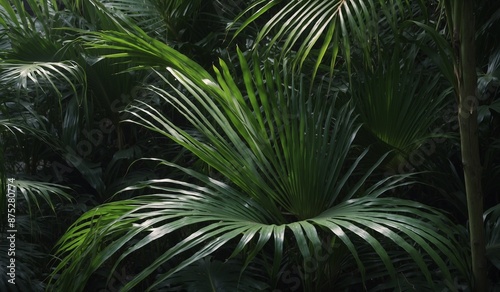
(467, 118)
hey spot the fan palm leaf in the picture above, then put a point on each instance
(282, 151)
(228, 216)
(399, 102)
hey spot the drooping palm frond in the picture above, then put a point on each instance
(43, 75)
(36, 193)
(141, 50)
(282, 150)
(35, 70)
(45, 85)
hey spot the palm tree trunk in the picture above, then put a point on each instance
(467, 118)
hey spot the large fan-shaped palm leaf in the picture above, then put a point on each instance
(282, 151)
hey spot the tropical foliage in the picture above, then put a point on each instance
(259, 145)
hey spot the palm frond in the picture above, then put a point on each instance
(24, 75)
(282, 148)
(35, 192)
(99, 15)
(229, 216)
(146, 52)
(148, 14)
(322, 27)
(29, 26)
(158, 19)
(26, 14)
(399, 102)
(49, 83)
(435, 45)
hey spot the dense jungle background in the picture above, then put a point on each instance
(250, 145)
